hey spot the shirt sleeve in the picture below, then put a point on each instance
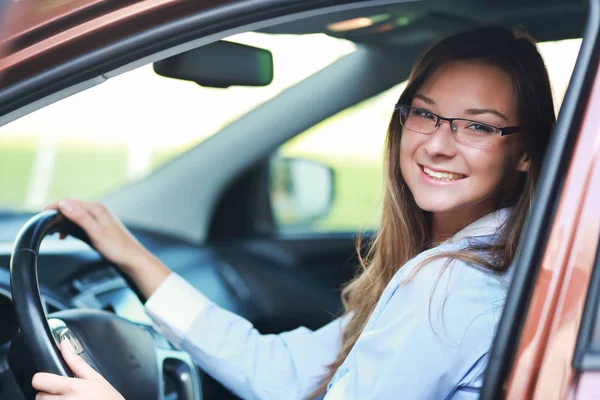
(425, 343)
(253, 366)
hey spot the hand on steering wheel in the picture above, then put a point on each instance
(127, 354)
(88, 385)
(105, 231)
(109, 237)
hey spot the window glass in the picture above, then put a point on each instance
(124, 129)
(351, 143)
(120, 131)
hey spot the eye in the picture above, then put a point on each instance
(420, 113)
(481, 128)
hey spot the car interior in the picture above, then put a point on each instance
(211, 212)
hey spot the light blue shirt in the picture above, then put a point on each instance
(428, 338)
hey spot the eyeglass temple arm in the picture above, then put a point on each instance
(510, 130)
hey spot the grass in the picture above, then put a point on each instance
(357, 203)
(358, 187)
(80, 169)
(16, 163)
(86, 170)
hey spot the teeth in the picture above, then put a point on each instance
(445, 176)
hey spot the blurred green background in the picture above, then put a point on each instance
(116, 133)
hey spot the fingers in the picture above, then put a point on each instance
(55, 387)
(77, 212)
(83, 213)
(52, 206)
(55, 206)
(47, 396)
(80, 368)
(52, 384)
(97, 210)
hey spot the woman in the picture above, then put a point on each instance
(463, 152)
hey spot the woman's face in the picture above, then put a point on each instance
(473, 178)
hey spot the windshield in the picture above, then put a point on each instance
(118, 132)
(122, 130)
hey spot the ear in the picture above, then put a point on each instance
(523, 164)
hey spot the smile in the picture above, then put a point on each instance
(442, 176)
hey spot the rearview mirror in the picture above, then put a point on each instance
(220, 64)
(301, 190)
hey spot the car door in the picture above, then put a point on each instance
(535, 354)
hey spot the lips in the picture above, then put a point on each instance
(442, 175)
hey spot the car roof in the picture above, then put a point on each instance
(398, 22)
(419, 22)
(39, 40)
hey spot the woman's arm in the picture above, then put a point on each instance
(225, 345)
(111, 238)
(253, 366)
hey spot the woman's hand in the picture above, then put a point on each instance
(112, 239)
(89, 384)
(106, 232)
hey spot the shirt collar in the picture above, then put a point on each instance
(487, 225)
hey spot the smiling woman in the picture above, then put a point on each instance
(459, 169)
(435, 275)
(352, 142)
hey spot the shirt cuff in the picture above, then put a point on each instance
(174, 306)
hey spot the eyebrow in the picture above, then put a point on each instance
(425, 99)
(470, 111)
(478, 111)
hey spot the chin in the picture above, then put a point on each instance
(431, 205)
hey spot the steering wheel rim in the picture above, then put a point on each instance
(26, 291)
(125, 353)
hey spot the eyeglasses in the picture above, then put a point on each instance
(466, 131)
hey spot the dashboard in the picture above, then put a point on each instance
(72, 275)
(8, 319)
(233, 275)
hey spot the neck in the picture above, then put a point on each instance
(445, 224)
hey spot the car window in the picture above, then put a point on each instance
(122, 130)
(350, 143)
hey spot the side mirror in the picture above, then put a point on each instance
(302, 190)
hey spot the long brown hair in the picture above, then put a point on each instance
(405, 229)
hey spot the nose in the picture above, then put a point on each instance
(442, 142)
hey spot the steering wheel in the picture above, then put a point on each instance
(133, 358)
